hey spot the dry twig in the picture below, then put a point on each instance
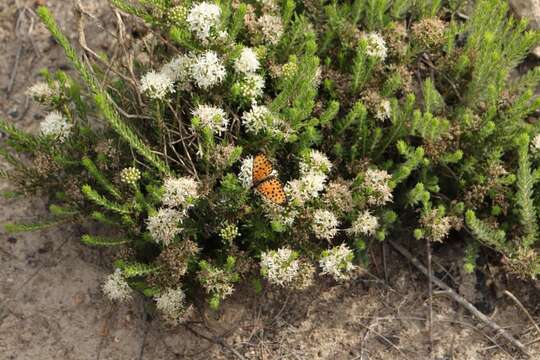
(460, 299)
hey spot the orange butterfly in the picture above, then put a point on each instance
(265, 182)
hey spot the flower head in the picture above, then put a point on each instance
(41, 91)
(56, 125)
(280, 266)
(365, 224)
(535, 144)
(325, 224)
(337, 262)
(172, 305)
(179, 192)
(315, 161)
(178, 69)
(376, 46)
(116, 288)
(207, 70)
(246, 172)
(164, 225)
(258, 119)
(157, 85)
(130, 175)
(202, 18)
(306, 188)
(377, 184)
(212, 117)
(271, 28)
(252, 86)
(247, 62)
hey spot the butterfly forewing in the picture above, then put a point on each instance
(262, 168)
(272, 189)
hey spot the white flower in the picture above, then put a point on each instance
(164, 225)
(337, 262)
(365, 224)
(116, 288)
(56, 125)
(157, 85)
(179, 192)
(258, 119)
(202, 18)
(207, 70)
(306, 188)
(535, 144)
(383, 110)
(325, 224)
(376, 46)
(247, 62)
(280, 266)
(316, 161)
(40, 91)
(285, 216)
(376, 181)
(172, 305)
(271, 28)
(178, 69)
(252, 86)
(246, 172)
(212, 117)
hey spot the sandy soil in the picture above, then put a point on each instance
(51, 306)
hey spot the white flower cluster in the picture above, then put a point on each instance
(56, 125)
(376, 181)
(246, 172)
(313, 176)
(116, 288)
(164, 225)
(437, 226)
(325, 224)
(202, 19)
(535, 143)
(41, 91)
(315, 161)
(179, 69)
(212, 117)
(247, 62)
(271, 28)
(207, 70)
(172, 305)
(252, 86)
(376, 46)
(258, 119)
(180, 192)
(337, 262)
(365, 224)
(383, 110)
(280, 266)
(157, 85)
(306, 188)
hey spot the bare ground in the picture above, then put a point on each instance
(51, 306)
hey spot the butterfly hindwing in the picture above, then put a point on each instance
(272, 189)
(262, 168)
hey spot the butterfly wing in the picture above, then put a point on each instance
(262, 168)
(272, 189)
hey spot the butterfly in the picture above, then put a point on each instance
(265, 182)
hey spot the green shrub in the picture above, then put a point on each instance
(381, 118)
